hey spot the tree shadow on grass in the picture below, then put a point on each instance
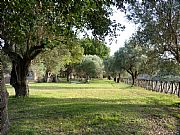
(80, 86)
(85, 116)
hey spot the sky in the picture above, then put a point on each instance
(124, 35)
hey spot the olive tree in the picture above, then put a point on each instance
(91, 66)
(28, 27)
(158, 25)
(131, 59)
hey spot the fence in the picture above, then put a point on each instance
(171, 87)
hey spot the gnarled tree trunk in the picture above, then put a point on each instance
(4, 121)
(20, 64)
(19, 77)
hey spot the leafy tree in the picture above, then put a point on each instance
(76, 52)
(130, 59)
(28, 27)
(95, 47)
(91, 66)
(38, 69)
(56, 59)
(53, 60)
(168, 67)
(158, 25)
(109, 67)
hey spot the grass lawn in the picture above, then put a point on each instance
(99, 108)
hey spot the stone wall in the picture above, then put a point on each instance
(4, 121)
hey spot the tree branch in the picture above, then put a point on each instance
(12, 55)
(35, 50)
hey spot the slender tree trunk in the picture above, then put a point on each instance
(36, 78)
(55, 78)
(87, 79)
(48, 76)
(18, 77)
(119, 77)
(133, 79)
(68, 72)
(68, 77)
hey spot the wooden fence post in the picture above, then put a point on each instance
(171, 88)
(178, 93)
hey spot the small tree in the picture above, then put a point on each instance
(130, 58)
(38, 69)
(91, 66)
(109, 66)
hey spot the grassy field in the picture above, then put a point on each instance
(99, 108)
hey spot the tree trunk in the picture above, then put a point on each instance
(109, 77)
(55, 78)
(133, 79)
(68, 77)
(87, 79)
(118, 79)
(48, 76)
(115, 79)
(119, 76)
(68, 72)
(4, 121)
(18, 77)
(36, 78)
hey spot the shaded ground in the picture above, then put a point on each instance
(101, 108)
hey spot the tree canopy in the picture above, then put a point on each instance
(28, 27)
(95, 47)
(130, 58)
(158, 25)
(91, 66)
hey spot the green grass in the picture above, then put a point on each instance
(99, 108)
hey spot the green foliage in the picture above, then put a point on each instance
(6, 62)
(38, 69)
(130, 58)
(91, 66)
(168, 70)
(153, 63)
(76, 51)
(100, 107)
(109, 66)
(56, 59)
(47, 23)
(53, 60)
(158, 25)
(29, 27)
(95, 47)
